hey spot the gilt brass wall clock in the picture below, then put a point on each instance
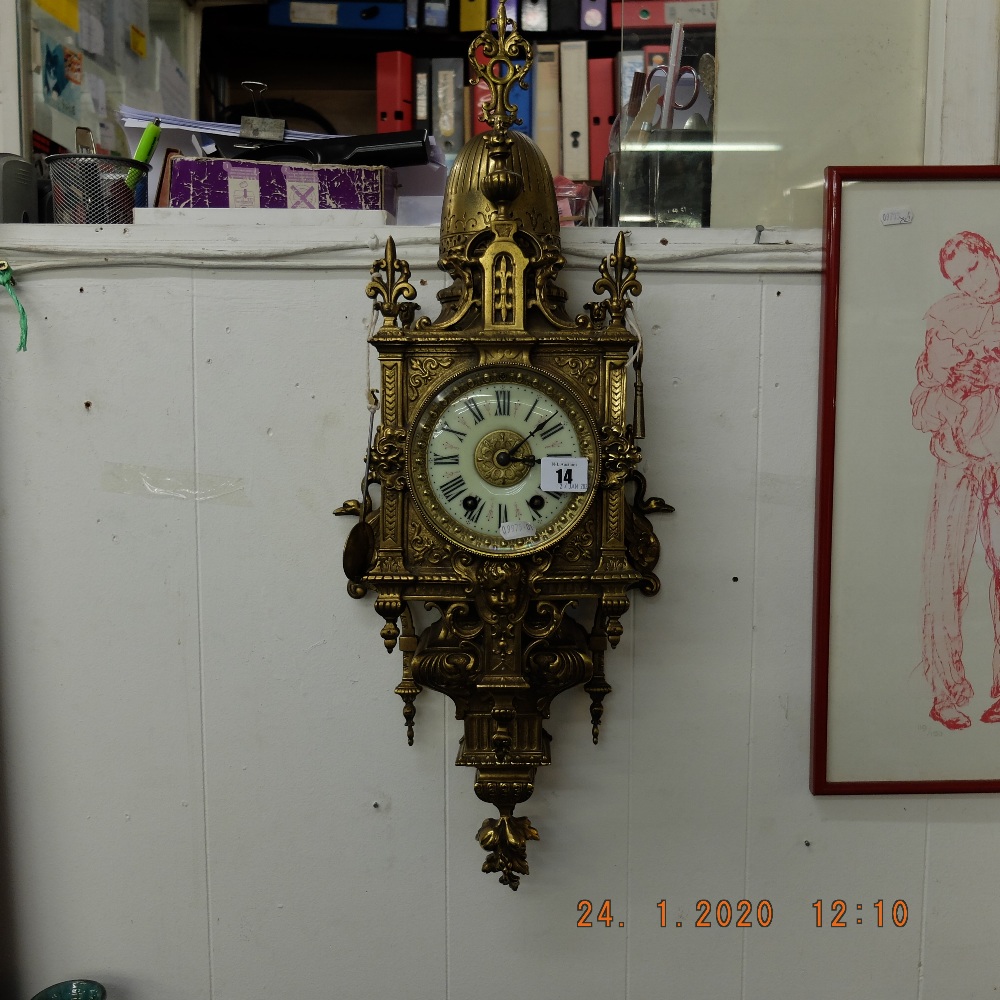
(512, 524)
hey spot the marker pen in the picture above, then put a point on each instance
(144, 151)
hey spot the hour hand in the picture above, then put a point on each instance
(504, 458)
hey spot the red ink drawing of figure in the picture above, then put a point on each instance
(957, 402)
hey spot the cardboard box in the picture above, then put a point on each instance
(217, 183)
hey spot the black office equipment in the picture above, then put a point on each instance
(18, 189)
(385, 149)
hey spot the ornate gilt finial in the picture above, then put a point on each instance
(394, 287)
(618, 279)
(506, 61)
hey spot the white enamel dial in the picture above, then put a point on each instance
(476, 456)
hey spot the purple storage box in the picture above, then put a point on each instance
(215, 183)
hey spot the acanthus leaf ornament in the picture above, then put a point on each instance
(501, 585)
(388, 457)
(506, 839)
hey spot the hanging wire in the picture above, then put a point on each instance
(7, 280)
(638, 404)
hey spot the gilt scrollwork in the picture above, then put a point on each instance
(424, 547)
(460, 618)
(558, 670)
(423, 370)
(550, 300)
(444, 669)
(545, 618)
(457, 300)
(581, 544)
(621, 455)
(583, 370)
(387, 460)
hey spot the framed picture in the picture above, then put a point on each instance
(906, 687)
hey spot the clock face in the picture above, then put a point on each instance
(503, 459)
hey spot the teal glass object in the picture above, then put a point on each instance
(73, 989)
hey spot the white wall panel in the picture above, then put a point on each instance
(101, 706)
(961, 894)
(803, 849)
(191, 659)
(687, 831)
(311, 883)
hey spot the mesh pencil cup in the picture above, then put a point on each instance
(95, 190)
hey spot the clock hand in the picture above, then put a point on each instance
(525, 440)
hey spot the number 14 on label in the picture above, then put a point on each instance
(564, 474)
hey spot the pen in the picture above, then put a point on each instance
(144, 151)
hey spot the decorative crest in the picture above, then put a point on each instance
(505, 61)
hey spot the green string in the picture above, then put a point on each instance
(7, 280)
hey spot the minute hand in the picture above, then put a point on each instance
(525, 440)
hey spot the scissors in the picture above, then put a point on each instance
(669, 103)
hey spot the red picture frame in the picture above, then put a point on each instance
(891, 713)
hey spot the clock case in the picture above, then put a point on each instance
(502, 635)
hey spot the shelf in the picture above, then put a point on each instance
(333, 69)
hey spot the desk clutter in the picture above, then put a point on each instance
(295, 173)
(633, 130)
(202, 164)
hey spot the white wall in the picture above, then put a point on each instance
(198, 721)
(852, 82)
(818, 83)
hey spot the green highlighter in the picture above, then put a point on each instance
(144, 151)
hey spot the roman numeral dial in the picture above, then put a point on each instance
(476, 452)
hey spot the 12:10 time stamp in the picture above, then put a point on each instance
(744, 913)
